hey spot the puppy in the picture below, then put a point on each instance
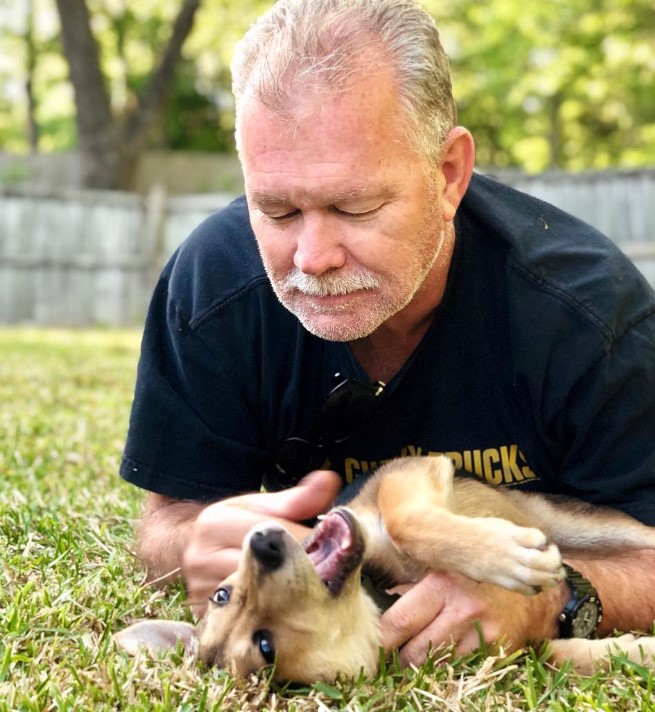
(302, 607)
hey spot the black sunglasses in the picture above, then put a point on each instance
(346, 408)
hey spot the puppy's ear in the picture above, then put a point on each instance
(155, 636)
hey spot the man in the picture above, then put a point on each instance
(507, 334)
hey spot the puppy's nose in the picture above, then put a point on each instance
(268, 548)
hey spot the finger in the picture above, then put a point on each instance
(223, 526)
(440, 633)
(470, 641)
(411, 613)
(313, 495)
(203, 575)
(416, 652)
(204, 570)
(227, 525)
(416, 649)
(435, 638)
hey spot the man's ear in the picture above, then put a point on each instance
(457, 161)
(155, 636)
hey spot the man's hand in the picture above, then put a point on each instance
(214, 546)
(445, 609)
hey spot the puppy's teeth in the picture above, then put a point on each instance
(321, 517)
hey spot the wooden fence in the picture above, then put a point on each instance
(92, 258)
(83, 258)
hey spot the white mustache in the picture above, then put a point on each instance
(329, 285)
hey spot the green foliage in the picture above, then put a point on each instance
(194, 122)
(130, 37)
(69, 577)
(54, 105)
(567, 84)
(564, 83)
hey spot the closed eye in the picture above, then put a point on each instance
(351, 214)
(282, 218)
(356, 215)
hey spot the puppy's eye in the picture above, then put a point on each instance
(221, 595)
(264, 642)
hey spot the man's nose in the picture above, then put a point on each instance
(319, 246)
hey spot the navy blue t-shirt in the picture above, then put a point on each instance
(538, 370)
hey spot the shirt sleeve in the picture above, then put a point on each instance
(193, 431)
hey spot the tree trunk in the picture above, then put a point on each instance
(110, 149)
(95, 127)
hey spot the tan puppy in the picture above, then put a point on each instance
(303, 608)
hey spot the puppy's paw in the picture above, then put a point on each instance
(521, 559)
(542, 569)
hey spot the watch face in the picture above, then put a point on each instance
(585, 619)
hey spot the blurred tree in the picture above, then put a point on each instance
(25, 49)
(111, 144)
(565, 83)
(194, 120)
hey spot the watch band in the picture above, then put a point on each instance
(583, 611)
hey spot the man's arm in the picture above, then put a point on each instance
(163, 534)
(444, 609)
(626, 587)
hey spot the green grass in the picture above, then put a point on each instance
(69, 577)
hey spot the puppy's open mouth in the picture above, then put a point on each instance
(335, 547)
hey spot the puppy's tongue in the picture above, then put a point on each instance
(331, 549)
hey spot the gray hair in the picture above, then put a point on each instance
(304, 45)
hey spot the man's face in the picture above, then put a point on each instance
(347, 223)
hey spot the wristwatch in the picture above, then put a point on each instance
(583, 612)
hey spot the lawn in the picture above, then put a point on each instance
(70, 578)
